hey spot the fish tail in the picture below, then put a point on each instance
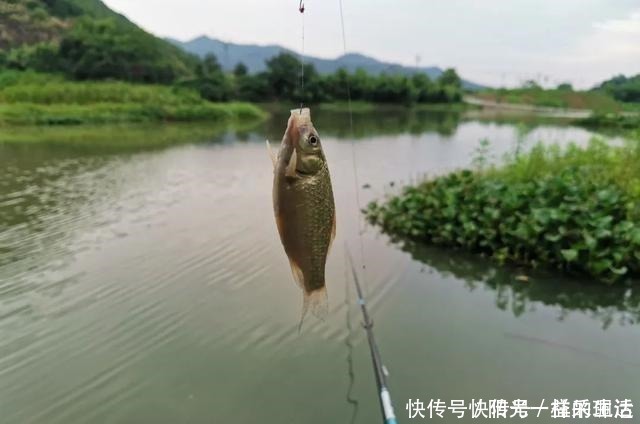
(316, 301)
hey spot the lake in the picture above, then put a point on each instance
(150, 286)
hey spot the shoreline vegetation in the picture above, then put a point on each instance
(573, 209)
(614, 104)
(558, 98)
(28, 98)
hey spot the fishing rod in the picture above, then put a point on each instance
(379, 369)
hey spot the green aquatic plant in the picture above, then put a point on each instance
(481, 154)
(574, 209)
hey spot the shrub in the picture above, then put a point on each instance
(576, 210)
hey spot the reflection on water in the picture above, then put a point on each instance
(351, 400)
(608, 303)
(149, 285)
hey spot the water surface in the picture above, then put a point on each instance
(149, 286)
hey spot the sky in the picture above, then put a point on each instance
(493, 42)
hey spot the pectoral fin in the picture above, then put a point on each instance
(271, 154)
(291, 167)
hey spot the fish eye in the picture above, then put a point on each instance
(313, 140)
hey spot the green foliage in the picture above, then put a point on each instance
(100, 49)
(27, 22)
(624, 89)
(63, 8)
(31, 98)
(210, 81)
(251, 88)
(86, 40)
(283, 76)
(562, 97)
(67, 92)
(611, 120)
(240, 70)
(282, 81)
(9, 78)
(42, 57)
(577, 210)
(565, 86)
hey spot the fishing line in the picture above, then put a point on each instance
(353, 152)
(379, 369)
(301, 10)
(352, 401)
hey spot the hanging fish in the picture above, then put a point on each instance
(304, 208)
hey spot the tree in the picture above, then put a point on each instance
(283, 75)
(106, 48)
(622, 88)
(252, 88)
(425, 89)
(240, 70)
(63, 8)
(531, 85)
(209, 66)
(450, 77)
(215, 87)
(41, 57)
(565, 86)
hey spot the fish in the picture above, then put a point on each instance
(304, 208)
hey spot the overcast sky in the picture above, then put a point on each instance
(487, 41)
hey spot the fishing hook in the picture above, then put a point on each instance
(301, 6)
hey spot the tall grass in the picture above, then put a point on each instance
(564, 99)
(28, 98)
(84, 93)
(599, 161)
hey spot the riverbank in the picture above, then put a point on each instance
(616, 121)
(18, 114)
(573, 209)
(605, 114)
(364, 107)
(121, 136)
(592, 101)
(40, 99)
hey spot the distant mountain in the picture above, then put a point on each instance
(254, 57)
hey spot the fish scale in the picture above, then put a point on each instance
(304, 207)
(320, 219)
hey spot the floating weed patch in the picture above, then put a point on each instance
(576, 210)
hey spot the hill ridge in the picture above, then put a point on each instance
(229, 54)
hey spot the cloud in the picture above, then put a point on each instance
(629, 25)
(612, 47)
(491, 41)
